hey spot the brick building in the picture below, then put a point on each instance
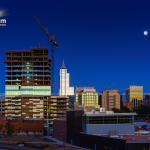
(21, 127)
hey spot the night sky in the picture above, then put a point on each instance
(101, 41)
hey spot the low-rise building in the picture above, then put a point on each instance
(47, 108)
(21, 127)
(108, 123)
(100, 130)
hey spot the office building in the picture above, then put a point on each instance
(55, 107)
(111, 99)
(78, 98)
(25, 107)
(86, 98)
(134, 95)
(64, 85)
(58, 105)
(32, 107)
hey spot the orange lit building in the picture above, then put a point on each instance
(111, 99)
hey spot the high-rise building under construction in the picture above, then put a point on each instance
(27, 74)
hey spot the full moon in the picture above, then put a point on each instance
(145, 33)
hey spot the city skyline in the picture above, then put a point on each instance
(75, 74)
(103, 43)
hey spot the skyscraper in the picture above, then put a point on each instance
(64, 85)
(111, 99)
(134, 95)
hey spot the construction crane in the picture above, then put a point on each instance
(54, 44)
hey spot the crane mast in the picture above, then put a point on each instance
(54, 45)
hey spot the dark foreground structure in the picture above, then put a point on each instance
(75, 135)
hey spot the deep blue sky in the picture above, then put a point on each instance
(101, 41)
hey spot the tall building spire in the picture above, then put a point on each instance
(64, 83)
(63, 66)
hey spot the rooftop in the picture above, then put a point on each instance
(108, 113)
(130, 138)
(137, 138)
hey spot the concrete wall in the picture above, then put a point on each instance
(111, 129)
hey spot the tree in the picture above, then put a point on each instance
(115, 110)
(122, 110)
(125, 109)
(143, 112)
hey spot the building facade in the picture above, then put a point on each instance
(64, 85)
(134, 95)
(27, 80)
(2, 106)
(78, 98)
(147, 100)
(25, 107)
(55, 107)
(58, 133)
(103, 123)
(86, 98)
(27, 72)
(46, 108)
(104, 131)
(21, 127)
(111, 99)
